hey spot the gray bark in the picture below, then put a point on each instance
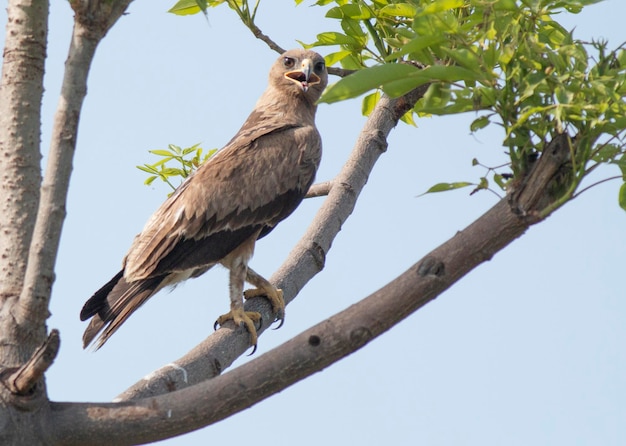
(32, 212)
(155, 418)
(21, 91)
(29, 251)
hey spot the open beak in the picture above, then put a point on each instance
(305, 77)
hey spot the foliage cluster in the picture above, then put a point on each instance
(188, 159)
(508, 61)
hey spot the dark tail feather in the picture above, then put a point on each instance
(112, 304)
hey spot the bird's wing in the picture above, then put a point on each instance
(254, 182)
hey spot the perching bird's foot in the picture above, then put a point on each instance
(241, 317)
(274, 295)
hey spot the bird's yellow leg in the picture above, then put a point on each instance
(237, 314)
(264, 288)
(242, 318)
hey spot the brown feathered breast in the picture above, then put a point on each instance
(247, 188)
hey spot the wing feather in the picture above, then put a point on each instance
(254, 182)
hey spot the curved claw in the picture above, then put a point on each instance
(282, 321)
(244, 319)
(253, 350)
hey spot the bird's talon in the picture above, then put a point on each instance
(281, 320)
(244, 319)
(274, 295)
(253, 350)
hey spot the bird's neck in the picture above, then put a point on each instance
(290, 105)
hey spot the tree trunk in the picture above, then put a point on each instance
(21, 91)
(32, 212)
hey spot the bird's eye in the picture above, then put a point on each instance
(319, 67)
(288, 62)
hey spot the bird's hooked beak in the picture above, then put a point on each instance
(304, 77)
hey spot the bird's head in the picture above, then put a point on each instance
(301, 71)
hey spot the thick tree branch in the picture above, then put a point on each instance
(219, 350)
(92, 21)
(160, 417)
(21, 91)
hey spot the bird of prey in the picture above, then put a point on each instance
(219, 212)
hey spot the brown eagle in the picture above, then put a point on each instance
(218, 213)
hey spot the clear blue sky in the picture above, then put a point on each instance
(526, 350)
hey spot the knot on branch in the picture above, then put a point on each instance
(24, 380)
(318, 254)
(98, 16)
(379, 138)
(431, 266)
(360, 336)
(548, 179)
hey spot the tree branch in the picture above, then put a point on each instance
(319, 189)
(249, 22)
(92, 21)
(21, 91)
(259, 35)
(170, 414)
(218, 351)
(23, 380)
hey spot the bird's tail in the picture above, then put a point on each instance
(112, 304)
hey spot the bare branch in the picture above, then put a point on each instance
(21, 91)
(24, 379)
(259, 35)
(319, 189)
(170, 414)
(341, 72)
(218, 351)
(92, 21)
(249, 22)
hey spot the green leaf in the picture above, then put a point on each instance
(334, 38)
(365, 80)
(622, 196)
(351, 11)
(441, 6)
(150, 180)
(188, 7)
(147, 168)
(418, 44)
(479, 123)
(160, 152)
(399, 10)
(369, 102)
(407, 118)
(332, 58)
(500, 181)
(464, 57)
(444, 187)
(402, 85)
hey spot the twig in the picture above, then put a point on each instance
(616, 177)
(341, 72)
(259, 35)
(319, 189)
(92, 20)
(249, 22)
